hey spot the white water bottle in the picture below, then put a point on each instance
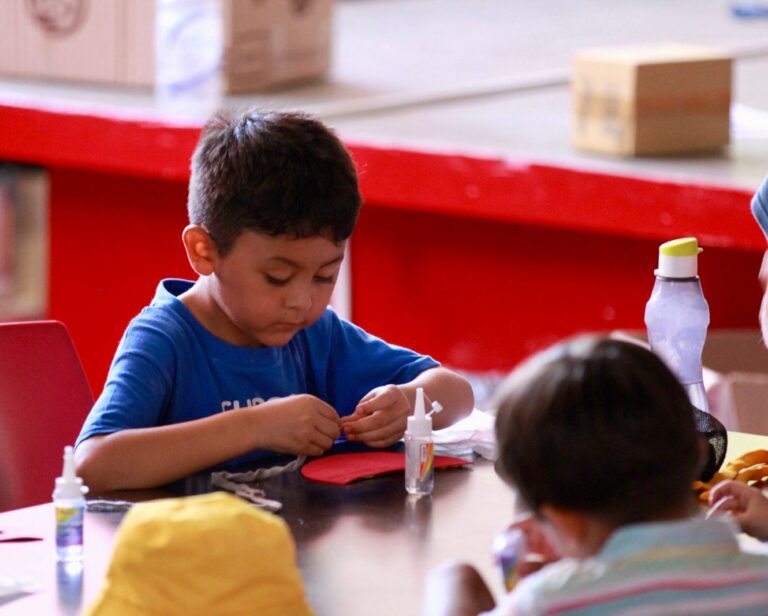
(677, 316)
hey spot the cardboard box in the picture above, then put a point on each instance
(663, 99)
(107, 41)
(735, 376)
(261, 43)
(270, 42)
(737, 379)
(23, 242)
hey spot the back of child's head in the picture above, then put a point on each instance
(601, 427)
(275, 173)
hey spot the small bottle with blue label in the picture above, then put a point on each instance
(69, 502)
(509, 552)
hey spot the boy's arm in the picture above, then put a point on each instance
(452, 391)
(456, 589)
(381, 416)
(150, 457)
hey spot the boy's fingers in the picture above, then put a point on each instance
(323, 442)
(370, 395)
(312, 450)
(329, 428)
(721, 489)
(725, 505)
(531, 564)
(379, 444)
(366, 424)
(327, 411)
(734, 490)
(368, 407)
(388, 433)
(538, 543)
(729, 487)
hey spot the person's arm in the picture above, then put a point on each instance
(456, 589)
(380, 418)
(452, 391)
(747, 505)
(150, 457)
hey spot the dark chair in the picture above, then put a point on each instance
(44, 398)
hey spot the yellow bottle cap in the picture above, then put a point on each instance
(679, 258)
(683, 247)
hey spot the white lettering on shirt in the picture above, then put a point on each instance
(232, 405)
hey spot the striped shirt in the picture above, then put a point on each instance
(685, 567)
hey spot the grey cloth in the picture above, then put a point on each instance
(236, 483)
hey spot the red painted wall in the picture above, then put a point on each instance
(476, 261)
(481, 294)
(112, 238)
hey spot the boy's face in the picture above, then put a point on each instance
(270, 288)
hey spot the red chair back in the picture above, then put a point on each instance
(44, 399)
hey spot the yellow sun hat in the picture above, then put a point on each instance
(209, 554)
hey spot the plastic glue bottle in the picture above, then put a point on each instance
(420, 448)
(69, 502)
(677, 316)
(509, 552)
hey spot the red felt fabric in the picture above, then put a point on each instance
(345, 468)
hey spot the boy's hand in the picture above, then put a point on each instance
(301, 424)
(380, 418)
(746, 504)
(456, 589)
(539, 550)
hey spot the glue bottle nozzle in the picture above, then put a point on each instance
(69, 485)
(68, 472)
(436, 408)
(418, 409)
(421, 422)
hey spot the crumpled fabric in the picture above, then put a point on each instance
(236, 483)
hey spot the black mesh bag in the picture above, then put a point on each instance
(716, 437)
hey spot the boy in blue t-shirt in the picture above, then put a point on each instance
(248, 360)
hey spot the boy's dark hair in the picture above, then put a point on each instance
(272, 172)
(598, 426)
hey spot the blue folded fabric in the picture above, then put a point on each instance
(760, 206)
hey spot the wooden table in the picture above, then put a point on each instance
(355, 542)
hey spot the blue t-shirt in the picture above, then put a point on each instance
(760, 206)
(168, 369)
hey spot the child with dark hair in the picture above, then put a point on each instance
(598, 439)
(248, 360)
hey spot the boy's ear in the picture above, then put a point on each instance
(200, 249)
